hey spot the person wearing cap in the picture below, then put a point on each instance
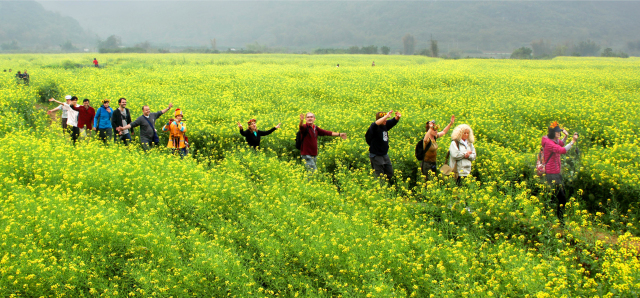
(102, 121)
(64, 113)
(176, 129)
(85, 117)
(73, 110)
(147, 122)
(430, 147)
(462, 151)
(121, 117)
(378, 139)
(253, 135)
(552, 148)
(310, 133)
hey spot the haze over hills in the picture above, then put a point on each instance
(488, 26)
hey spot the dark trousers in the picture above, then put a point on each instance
(429, 169)
(125, 138)
(104, 134)
(75, 133)
(382, 166)
(146, 146)
(559, 196)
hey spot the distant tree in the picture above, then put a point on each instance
(409, 44)
(353, 50)
(541, 49)
(369, 50)
(522, 53)
(68, 47)
(385, 50)
(112, 42)
(608, 52)
(588, 48)
(10, 46)
(425, 52)
(144, 45)
(434, 48)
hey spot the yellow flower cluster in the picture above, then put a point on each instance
(113, 221)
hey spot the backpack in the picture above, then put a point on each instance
(368, 136)
(419, 152)
(300, 137)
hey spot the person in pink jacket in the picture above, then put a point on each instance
(553, 147)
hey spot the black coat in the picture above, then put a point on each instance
(254, 139)
(116, 119)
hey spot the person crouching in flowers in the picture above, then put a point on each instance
(462, 152)
(430, 147)
(552, 148)
(176, 129)
(253, 135)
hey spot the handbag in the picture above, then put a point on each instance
(541, 168)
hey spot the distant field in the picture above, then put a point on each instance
(90, 220)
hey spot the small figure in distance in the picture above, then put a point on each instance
(95, 62)
(102, 122)
(177, 128)
(18, 77)
(377, 138)
(338, 65)
(147, 122)
(25, 77)
(373, 63)
(85, 118)
(430, 147)
(309, 133)
(73, 110)
(253, 135)
(121, 117)
(552, 148)
(461, 151)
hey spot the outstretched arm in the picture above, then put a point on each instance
(168, 108)
(446, 129)
(381, 120)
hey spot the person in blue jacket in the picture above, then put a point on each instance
(102, 121)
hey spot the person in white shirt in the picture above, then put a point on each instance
(64, 114)
(73, 109)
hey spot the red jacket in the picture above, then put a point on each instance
(310, 141)
(95, 62)
(550, 146)
(86, 117)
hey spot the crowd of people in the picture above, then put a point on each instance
(117, 124)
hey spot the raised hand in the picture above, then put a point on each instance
(453, 119)
(170, 105)
(344, 134)
(278, 126)
(239, 125)
(398, 115)
(301, 117)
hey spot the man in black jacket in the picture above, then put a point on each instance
(121, 117)
(252, 135)
(378, 139)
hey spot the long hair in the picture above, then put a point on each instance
(456, 135)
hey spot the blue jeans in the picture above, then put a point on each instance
(182, 152)
(310, 162)
(125, 138)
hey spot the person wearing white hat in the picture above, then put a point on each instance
(73, 110)
(64, 113)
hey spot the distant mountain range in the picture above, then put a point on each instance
(307, 25)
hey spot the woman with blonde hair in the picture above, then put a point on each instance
(462, 152)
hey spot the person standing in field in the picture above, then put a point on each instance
(377, 137)
(121, 117)
(430, 147)
(85, 117)
(64, 114)
(18, 77)
(147, 122)
(73, 110)
(461, 152)
(552, 148)
(102, 121)
(176, 128)
(95, 62)
(26, 77)
(253, 135)
(309, 134)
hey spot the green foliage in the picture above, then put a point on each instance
(608, 52)
(68, 47)
(385, 50)
(10, 46)
(48, 90)
(522, 53)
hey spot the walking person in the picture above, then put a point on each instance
(95, 62)
(73, 110)
(102, 121)
(64, 115)
(26, 77)
(147, 122)
(177, 128)
(309, 134)
(462, 152)
(121, 117)
(553, 148)
(377, 137)
(430, 147)
(85, 118)
(253, 135)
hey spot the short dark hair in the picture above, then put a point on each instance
(121, 99)
(551, 133)
(74, 97)
(85, 100)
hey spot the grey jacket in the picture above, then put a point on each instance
(457, 157)
(146, 131)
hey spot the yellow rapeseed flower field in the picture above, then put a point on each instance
(112, 221)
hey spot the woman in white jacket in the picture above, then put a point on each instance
(462, 151)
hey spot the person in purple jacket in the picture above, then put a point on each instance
(553, 147)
